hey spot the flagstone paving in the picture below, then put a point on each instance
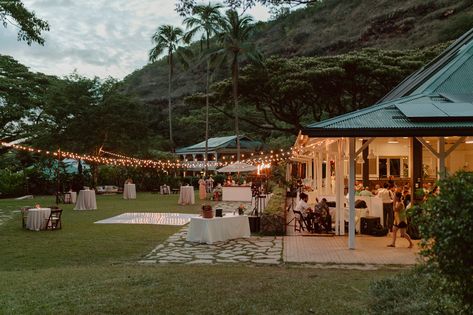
(6, 215)
(253, 250)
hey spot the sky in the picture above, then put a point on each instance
(95, 37)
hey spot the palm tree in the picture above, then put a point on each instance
(167, 37)
(234, 37)
(205, 21)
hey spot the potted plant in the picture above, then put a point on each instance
(207, 212)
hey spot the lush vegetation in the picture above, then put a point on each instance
(444, 283)
(91, 268)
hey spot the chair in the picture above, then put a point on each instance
(301, 221)
(54, 220)
(24, 215)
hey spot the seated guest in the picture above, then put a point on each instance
(304, 208)
(322, 215)
(129, 181)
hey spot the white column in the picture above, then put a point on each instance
(319, 174)
(351, 194)
(339, 185)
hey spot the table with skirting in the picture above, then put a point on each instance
(186, 195)
(37, 218)
(129, 191)
(218, 229)
(86, 200)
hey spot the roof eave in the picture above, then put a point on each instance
(387, 132)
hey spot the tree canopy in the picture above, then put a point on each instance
(29, 25)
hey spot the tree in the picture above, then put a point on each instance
(167, 37)
(20, 94)
(445, 222)
(205, 20)
(185, 7)
(29, 26)
(236, 31)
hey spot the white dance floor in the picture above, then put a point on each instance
(149, 218)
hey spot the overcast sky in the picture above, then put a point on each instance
(97, 37)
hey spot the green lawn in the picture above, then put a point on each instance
(88, 268)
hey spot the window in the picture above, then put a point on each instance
(390, 166)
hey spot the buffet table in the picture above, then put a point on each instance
(37, 218)
(86, 200)
(186, 195)
(218, 229)
(236, 193)
(129, 191)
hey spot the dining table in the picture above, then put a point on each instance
(37, 218)
(218, 229)
(86, 200)
(129, 191)
(186, 195)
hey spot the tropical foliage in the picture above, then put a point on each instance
(29, 26)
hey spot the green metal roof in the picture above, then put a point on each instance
(228, 142)
(425, 104)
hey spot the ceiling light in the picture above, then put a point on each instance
(371, 156)
(469, 140)
(393, 140)
(360, 159)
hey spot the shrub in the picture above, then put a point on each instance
(446, 226)
(11, 183)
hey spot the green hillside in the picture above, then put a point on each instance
(329, 28)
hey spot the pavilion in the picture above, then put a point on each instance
(220, 150)
(421, 130)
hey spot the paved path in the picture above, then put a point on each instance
(255, 250)
(6, 215)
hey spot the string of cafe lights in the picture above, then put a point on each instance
(127, 161)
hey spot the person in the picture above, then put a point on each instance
(322, 215)
(202, 189)
(217, 192)
(305, 210)
(209, 184)
(366, 192)
(377, 187)
(400, 222)
(129, 181)
(229, 181)
(387, 198)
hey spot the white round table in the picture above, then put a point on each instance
(86, 200)
(37, 218)
(186, 195)
(129, 191)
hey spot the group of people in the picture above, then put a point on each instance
(317, 219)
(206, 186)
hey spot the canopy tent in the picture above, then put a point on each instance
(237, 167)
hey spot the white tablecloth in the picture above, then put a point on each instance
(70, 197)
(129, 191)
(218, 229)
(186, 195)
(37, 218)
(86, 200)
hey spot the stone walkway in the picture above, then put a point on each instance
(7, 215)
(253, 250)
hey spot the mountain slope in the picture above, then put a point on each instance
(332, 27)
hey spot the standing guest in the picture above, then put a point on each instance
(305, 210)
(366, 192)
(400, 222)
(202, 189)
(387, 198)
(209, 184)
(376, 189)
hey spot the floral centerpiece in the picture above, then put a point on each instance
(241, 209)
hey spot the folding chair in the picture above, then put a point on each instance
(299, 219)
(54, 220)
(24, 215)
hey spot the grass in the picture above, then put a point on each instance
(88, 268)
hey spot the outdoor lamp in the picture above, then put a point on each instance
(371, 156)
(360, 159)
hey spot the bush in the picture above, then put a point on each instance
(11, 183)
(446, 226)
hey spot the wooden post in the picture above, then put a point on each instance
(416, 171)
(366, 166)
